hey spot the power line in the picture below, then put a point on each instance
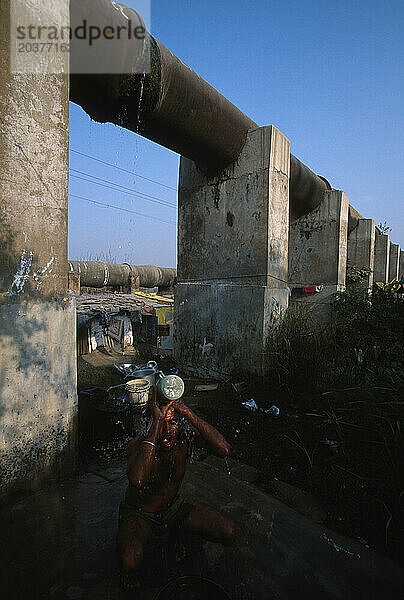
(103, 162)
(143, 194)
(115, 186)
(134, 212)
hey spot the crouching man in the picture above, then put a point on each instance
(153, 503)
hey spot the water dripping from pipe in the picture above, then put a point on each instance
(139, 110)
(142, 80)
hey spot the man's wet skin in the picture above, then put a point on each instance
(156, 468)
(167, 468)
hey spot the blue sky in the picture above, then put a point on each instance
(330, 76)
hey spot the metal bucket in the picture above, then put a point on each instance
(138, 392)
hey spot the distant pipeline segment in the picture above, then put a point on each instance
(173, 106)
(99, 274)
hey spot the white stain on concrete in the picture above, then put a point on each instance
(41, 272)
(206, 347)
(21, 276)
(120, 9)
(23, 273)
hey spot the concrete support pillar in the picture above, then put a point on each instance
(394, 262)
(232, 258)
(74, 282)
(134, 281)
(382, 258)
(361, 250)
(401, 266)
(38, 398)
(318, 251)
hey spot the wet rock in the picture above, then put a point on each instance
(301, 501)
(238, 470)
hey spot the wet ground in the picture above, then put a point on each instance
(59, 544)
(337, 458)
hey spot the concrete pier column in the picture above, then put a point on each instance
(232, 258)
(318, 251)
(401, 265)
(382, 258)
(361, 250)
(38, 398)
(394, 262)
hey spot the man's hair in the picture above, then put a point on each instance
(185, 431)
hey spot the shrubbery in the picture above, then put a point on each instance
(362, 345)
(349, 376)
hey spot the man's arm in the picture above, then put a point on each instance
(214, 440)
(141, 461)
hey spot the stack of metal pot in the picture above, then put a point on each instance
(170, 387)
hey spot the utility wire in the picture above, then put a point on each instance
(151, 198)
(134, 212)
(103, 162)
(120, 188)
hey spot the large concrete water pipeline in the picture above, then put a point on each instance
(173, 106)
(99, 274)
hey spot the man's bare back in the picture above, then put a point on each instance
(156, 467)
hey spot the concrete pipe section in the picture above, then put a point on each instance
(98, 274)
(172, 105)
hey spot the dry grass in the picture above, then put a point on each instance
(346, 382)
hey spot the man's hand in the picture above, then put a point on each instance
(181, 408)
(213, 440)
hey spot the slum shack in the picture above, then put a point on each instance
(120, 321)
(115, 328)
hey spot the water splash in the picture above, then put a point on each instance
(172, 468)
(139, 111)
(139, 108)
(226, 460)
(141, 426)
(112, 450)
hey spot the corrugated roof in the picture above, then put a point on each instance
(145, 303)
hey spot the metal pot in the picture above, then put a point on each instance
(149, 374)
